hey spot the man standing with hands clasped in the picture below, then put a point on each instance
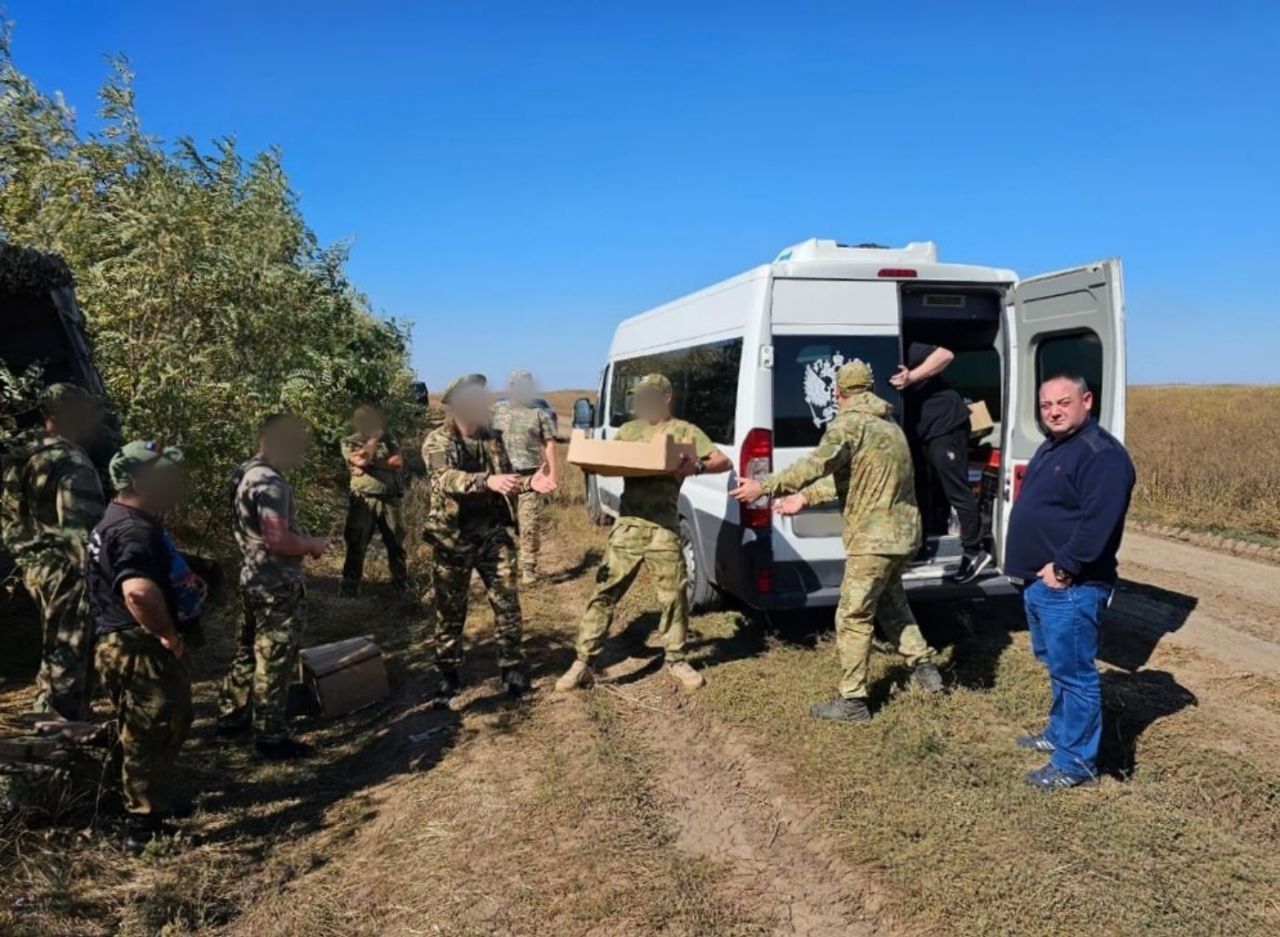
(863, 462)
(374, 461)
(648, 533)
(1064, 533)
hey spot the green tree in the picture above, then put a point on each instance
(209, 301)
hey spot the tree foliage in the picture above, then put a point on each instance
(209, 301)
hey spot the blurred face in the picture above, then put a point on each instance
(367, 421)
(522, 392)
(286, 444)
(160, 488)
(77, 421)
(470, 405)
(652, 404)
(1064, 408)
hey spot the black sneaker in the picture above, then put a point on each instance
(514, 682)
(927, 678)
(233, 724)
(971, 567)
(448, 687)
(1036, 743)
(842, 710)
(285, 749)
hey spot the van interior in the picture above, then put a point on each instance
(967, 321)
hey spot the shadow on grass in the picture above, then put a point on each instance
(1139, 617)
(1132, 703)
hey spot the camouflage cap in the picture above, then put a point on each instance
(654, 381)
(520, 376)
(57, 396)
(854, 375)
(137, 455)
(461, 383)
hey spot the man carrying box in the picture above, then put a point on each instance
(648, 532)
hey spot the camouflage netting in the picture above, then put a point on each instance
(24, 271)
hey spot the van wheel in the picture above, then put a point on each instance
(700, 593)
(595, 512)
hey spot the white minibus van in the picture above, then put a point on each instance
(753, 361)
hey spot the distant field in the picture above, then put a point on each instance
(1208, 457)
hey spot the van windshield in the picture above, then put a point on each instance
(804, 381)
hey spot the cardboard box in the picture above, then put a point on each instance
(979, 418)
(661, 455)
(346, 675)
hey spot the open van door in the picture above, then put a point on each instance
(1072, 320)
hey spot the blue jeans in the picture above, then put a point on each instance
(1065, 626)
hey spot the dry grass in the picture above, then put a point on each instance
(1208, 457)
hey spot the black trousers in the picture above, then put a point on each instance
(946, 468)
(365, 516)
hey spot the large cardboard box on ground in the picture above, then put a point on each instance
(979, 418)
(661, 455)
(345, 675)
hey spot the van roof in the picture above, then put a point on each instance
(824, 258)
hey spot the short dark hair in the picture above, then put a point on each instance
(1081, 384)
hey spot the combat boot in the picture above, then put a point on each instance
(514, 682)
(448, 687)
(140, 829)
(685, 675)
(841, 709)
(927, 678)
(285, 749)
(577, 677)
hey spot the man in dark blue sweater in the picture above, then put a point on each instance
(1064, 534)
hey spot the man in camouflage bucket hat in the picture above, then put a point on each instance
(52, 499)
(863, 462)
(469, 529)
(141, 655)
(530, 439)
(272, 590)
(648, 533)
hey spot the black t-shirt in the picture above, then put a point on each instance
(126, 544)
(933, 407)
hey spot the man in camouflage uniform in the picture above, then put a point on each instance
(374, 461)
(469, 528)
(272, 590)
(141, 655)
(52, 499)
(863, 462)
(530, 438)
(648, 533)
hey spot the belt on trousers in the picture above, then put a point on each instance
(526, 472)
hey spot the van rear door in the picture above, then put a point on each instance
(1069, 321)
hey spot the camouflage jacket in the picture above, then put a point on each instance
(862, 461)
(525, 432)
(654, 500)
(261, 492)
(458, 467)
(52, 499)
(379, 482)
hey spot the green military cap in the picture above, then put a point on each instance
(520, 376)
(654, 381)
(854, 375)
(57, 396)
(461, 383)
(137, 455)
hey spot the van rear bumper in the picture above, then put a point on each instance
(813, 585)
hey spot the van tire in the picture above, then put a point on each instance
(700, 593)
(595, 512)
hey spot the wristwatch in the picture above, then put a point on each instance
(1061, 575)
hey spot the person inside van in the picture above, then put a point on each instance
(936, 420)
(647, 533)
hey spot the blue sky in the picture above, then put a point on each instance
(516, 177)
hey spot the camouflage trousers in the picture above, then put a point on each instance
(870, 594)
(151, 692)
(266, 659)
(493, 556)
(529, 522)
(365, 515)
(631, 546)
(62, 683)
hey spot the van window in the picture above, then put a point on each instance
(704, 381)
(1073, 353)
(804, 381)
(600, 398)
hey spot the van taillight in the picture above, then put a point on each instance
(756, 462)
(897, 273)
(764, 579)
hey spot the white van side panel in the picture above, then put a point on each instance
(834, 306)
